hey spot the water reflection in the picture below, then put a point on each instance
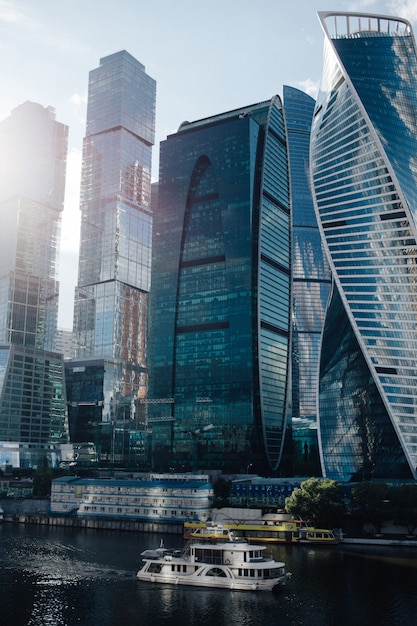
(61, 577)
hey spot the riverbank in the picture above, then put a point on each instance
(42, 519)
(36, 512)
(378, 541)
(95, 523)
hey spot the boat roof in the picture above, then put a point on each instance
(226, 545)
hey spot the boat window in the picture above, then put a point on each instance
(216, 571)
(155, 568)
(273, 573)
(207, 555)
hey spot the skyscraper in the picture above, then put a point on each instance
(115, 257)
(311, 284)
(364, 147)
(33, 152)
(220, 301)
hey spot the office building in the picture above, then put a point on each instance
(115, 257)
(219, 352)
(363, 160)
(311, 284)
(143, 499)
(33, 152)
(63, 342)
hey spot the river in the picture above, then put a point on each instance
(68, 577)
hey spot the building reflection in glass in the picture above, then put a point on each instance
(115, 256)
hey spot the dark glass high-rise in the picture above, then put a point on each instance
(219, 352)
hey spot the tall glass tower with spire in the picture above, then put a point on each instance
(108, 374)
(33, 153)
(364, 174)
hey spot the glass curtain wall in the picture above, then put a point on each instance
(365, 191)
(311, 285)
(33, 152)
(219, 317)
(111, 299)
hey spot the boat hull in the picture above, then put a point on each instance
(233, 564)
(201, 578)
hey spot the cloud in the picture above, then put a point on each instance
(309, 86)
(361, 5)
(398, 8)
(78, 99)
(78, 104)
(404, 8)
(9, 13)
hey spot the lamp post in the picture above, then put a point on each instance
(247, 484)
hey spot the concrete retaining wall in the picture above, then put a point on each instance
(36, 512)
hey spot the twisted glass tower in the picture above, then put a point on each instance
(220, 301)
(364, 173)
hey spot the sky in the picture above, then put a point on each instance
(206, 58)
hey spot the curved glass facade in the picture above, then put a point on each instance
(220, 299)
(311, 278)
(365, 192)
(311, 283)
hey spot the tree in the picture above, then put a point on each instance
(372, 501)
(42, 480)
(319, 501)
(221, 490)
(404, 505)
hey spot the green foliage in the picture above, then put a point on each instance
(42, 479)
(221, 490)
(372, 501)
(320, 501)
(404, 506)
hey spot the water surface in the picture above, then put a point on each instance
(63, 577)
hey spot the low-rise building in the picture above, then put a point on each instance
(160, 498)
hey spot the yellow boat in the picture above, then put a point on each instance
(266, 530)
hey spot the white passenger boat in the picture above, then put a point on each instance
(210, 531)
(231, 564)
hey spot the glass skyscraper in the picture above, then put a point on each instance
(219, 350)
(33, 153)
(311, 284)
(364, 147)
(115, 256)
